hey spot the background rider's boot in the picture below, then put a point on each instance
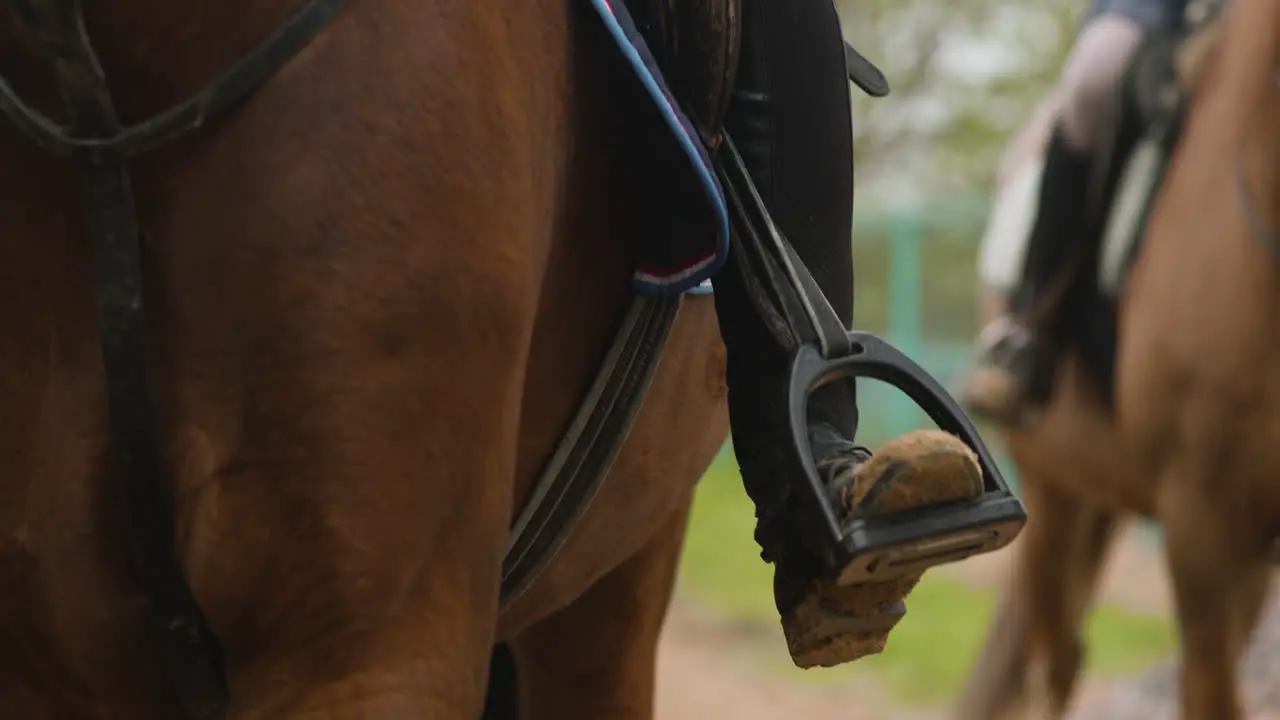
(1016, 355)
(790, 119)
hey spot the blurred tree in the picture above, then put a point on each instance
(965, 75)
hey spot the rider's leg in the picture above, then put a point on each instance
(790, 117)
(798, 142)
(1087, 89)
(1089, 81)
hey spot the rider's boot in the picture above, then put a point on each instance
(790, 119)
(1016, 352)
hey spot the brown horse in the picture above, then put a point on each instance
(1191, 439)
(377, 291)
(356, 400)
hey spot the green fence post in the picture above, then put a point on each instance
(905, 238)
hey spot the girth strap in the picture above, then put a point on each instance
(586, 452)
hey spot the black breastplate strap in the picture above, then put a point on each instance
(571, 478)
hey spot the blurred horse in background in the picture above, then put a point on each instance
(1183, 429)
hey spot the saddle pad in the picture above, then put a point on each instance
(1144, 131)
(1127, 219)
(1004, 241)
(698, 244)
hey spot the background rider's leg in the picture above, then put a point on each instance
(1088, 87)
(1020, 365)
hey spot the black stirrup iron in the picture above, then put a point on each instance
(887, 546)
(804, 324)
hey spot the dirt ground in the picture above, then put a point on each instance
(706, 671)
(709, 667)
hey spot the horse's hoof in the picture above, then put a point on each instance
(992, 394)
(834, 624)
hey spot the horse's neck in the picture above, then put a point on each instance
(1211, 257)
(155, 53)
(1236, 112)
(1250, 73)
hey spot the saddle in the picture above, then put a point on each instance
(1127, 174)
(1154, 94)
(696, 45)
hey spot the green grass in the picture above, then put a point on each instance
(930, 652)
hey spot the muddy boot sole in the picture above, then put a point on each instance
(834, 624)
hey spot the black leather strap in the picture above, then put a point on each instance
(789, 291)
(228, 89)
(585, 454)
(864, 73)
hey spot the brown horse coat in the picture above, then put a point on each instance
(378, 290)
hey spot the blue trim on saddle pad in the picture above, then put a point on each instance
(672, 265)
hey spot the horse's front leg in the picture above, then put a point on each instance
(1061, 583)
(1220, 581)
(347, 494)
(597, 657)
(348, 553)
(1033, 652)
